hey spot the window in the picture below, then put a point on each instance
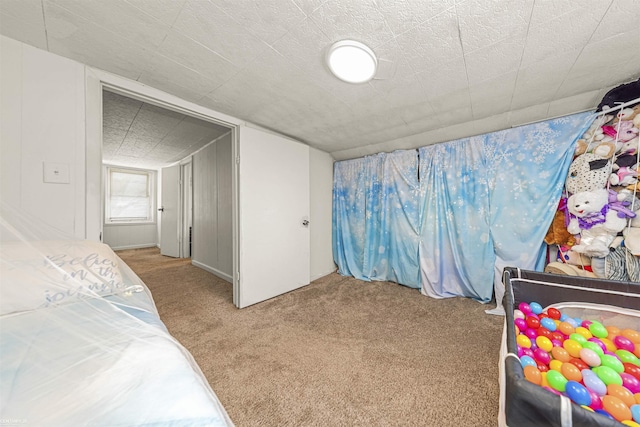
(130, 195)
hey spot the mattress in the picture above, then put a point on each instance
(524, 403)
(81, 343)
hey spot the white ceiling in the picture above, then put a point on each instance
(142, 135)
(450, 68)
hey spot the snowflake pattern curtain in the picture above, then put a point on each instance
(479, 204)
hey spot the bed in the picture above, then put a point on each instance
(615, 303)
(81, 343)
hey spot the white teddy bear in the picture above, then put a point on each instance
(595, 221)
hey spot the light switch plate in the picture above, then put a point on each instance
(56, 173)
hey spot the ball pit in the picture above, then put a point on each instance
(596, 366)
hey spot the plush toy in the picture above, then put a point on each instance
(595, 221)
(557, 233)
(624, 176)
(588, 171)
(627, 131)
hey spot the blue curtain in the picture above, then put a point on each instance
(448, 217)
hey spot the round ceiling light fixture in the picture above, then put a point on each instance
(352, 61)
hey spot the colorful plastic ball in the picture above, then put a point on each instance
(556, 365)
(598, 330)
(556, 343)
(557, 336)
(517, 314)
(622, 393)
(616, 408)
(554, 313)
(632, 335)
(573, 347)
(608, 375)
(535, 307)
(612, 362)
(557, 381)
(571, 372)
(529, 361)
(531, 333)
(586, 323)
(587, 408)
(548, 323)
(596, 400)
(533, 374)
(544, 343)
(533, 322)
(635, 412)
(637, 397)
(632, 369)
(572, 322)
(584, 332)
(630, 423)
(624, 343)
(613, 331)
(593, 383)
(593, 347)
(542, 367)
(579, 363)
(627, 357)
(527, 352)
(605, 413)
(599, 343)
(590, 357)
(563, 317)
(608, 344)
(630, 382)
(579, 338)
(559, 353)
(566, 328)
(523, 341)
(520, 323)
(544, 332)
(544, 382)
(525, 308)
(577, 393)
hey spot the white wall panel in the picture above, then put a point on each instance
(130, 236)
(321, 202)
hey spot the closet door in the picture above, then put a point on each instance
(274, 216)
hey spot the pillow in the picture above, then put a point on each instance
(42, 274)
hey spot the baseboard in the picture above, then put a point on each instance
(318, 276)
(214, 271)
(144, 245)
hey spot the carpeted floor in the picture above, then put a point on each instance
(339, 352)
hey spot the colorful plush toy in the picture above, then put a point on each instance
(595, 222)
(557, 233)
(588, 171)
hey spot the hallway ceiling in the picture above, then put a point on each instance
(449, 68)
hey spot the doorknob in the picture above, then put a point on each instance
(161, 209)
(305, 222)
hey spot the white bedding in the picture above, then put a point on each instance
(97, 357)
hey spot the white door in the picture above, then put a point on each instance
(169, 211)
(187, 209)
(274, 216)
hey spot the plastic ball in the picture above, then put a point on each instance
(605, 413)
(599, 343)
(596, 400)
(566, 328)
(542, 367)
(571, 372)
(544, 382)
(632, 335)
(548, 323)
(544, 343)
(578, 363)
(557, 381)
(527, 352)
(544, 332)
(559, 353)
(535, 307)
(590, 357)
(572, 322)
(520, 323)
(627, 356)
(573, 347)
(612, 362)
(529, 361)
(621, 393)
(579, 338)
(517, 314)
(608, 375)
(608, 344)
(637, 397)
(523, 341)
(533, 322)
(559, 336)
(578, 393)
(554, 313)
(593, 347)
(525, 308)
(587, 408)
(593, 383)
(584, 332)
(586, 323)
(632, 369)
(613, 331)
(624, 343)
(630, 382)
(556, 343)
(531, 333)
(630, 423)
(533, 374)
(598, 330)
(563, 317)
(616, 408)
(556, 365)
(635, 412)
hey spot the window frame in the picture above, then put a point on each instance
(151, 179)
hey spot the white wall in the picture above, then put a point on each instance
(130, 236)
(212, 244)
(42, 119)
(321, 202)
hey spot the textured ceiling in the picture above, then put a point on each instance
(138, 134)
(449, 68)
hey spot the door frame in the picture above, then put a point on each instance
(185, 216)
(95, 82)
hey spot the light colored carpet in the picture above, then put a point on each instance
(339, 352)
